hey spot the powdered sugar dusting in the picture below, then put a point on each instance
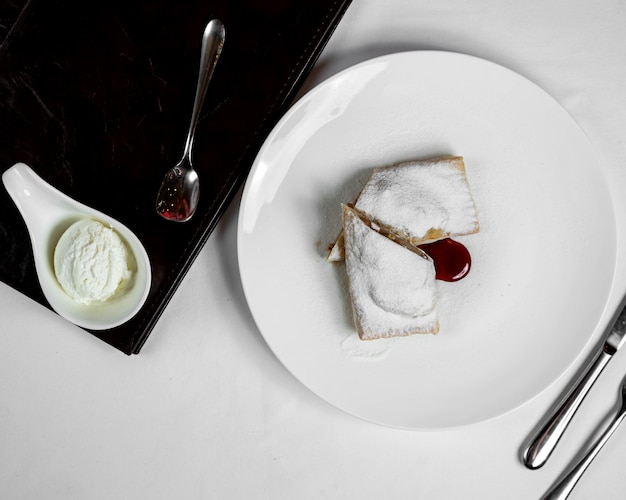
(393, 290)
(355, 348)
(418, 197)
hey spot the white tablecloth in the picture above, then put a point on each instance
(207, 411)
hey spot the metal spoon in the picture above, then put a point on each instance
(178, 195)
(564, 487)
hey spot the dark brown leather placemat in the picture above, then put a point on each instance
(96, 98)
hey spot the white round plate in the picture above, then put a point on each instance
(543, 261)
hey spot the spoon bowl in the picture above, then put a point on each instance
(47, 213)
(178, 195)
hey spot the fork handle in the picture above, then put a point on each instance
(545, 440)
(564, 487)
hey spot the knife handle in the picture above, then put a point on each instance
(546, 438)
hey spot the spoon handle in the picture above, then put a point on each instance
(564, 487)
(212, 43)
(546, 439)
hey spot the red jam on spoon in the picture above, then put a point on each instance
(452, 260)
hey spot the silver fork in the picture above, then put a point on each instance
(562, 489)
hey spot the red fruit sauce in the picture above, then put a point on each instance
(452, 260)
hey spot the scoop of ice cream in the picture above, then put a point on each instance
(91, 262)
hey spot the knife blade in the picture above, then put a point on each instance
(544, 440)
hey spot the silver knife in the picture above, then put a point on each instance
(543, 441)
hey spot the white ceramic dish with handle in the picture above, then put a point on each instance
(47, 213)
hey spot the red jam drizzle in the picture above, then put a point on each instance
(452, 260)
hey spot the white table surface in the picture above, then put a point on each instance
(207, 411)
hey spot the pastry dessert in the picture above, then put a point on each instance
(392, 286)
(402, 219)
(420, 201)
